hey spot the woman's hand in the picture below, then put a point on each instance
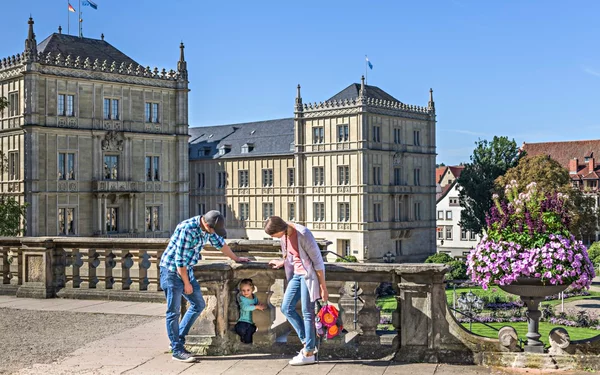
(324, 293)
(276, 263)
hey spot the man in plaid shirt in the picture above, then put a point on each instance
(177, 274)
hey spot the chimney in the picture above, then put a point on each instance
(573, 163)
(591, 164)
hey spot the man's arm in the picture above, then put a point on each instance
(226, 250)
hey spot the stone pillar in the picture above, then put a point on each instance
(100, 226)
(103, 214)
(131, 198)
(422, 302)
(38, 267)
(264, 336)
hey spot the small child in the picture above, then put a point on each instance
(245, 326)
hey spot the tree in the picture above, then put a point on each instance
(476, 182)
(440, 165)
(12, 213)
(552, 177)
(3, 103)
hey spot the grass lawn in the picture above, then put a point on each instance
(495, 291)
(575, 333)
(387, 303)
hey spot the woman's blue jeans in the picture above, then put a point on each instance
(304, 326)
(172, 285)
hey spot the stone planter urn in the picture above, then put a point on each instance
(532, 292)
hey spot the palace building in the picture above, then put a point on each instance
(99, 145)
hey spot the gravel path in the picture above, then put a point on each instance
(29, 337)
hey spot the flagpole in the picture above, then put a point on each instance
(68, 18)
(80, 19)
(366, 69)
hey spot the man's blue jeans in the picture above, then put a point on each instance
(305, 326)
(172, 285)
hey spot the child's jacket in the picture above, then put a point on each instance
(247, 305)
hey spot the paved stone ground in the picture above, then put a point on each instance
(53, 337)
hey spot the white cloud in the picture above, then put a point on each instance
(591, 71)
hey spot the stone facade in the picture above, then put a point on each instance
(358, 170)
(90, 143)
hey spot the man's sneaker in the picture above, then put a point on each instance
(183, 357)
(301, 360)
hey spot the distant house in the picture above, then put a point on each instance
(451, 238)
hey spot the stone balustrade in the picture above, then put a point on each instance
(424, 328)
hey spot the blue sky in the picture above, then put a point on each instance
(525, 69)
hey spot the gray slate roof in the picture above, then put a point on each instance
(352, 92)
(271, 137)
(84, 47)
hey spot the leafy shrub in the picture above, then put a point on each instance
(384, 290)
(459, 270)
(439, 258)
(347, 259)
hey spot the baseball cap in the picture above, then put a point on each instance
(216, 221)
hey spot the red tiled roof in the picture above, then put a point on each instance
(457, 170)
(439, 172)
(562, 152)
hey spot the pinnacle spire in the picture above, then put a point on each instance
(182, 64)
(30, 42)
(431, 104)
(363, 90)
(298, 99)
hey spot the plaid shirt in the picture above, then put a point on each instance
(186, 243)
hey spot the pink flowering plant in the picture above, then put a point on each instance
(527, 235)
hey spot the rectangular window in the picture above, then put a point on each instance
(62, 109)
(376, 175)
(267, 210)
(319, 211)
(318, 176)
(112, 219)
(66, 166)
(151, 112)
(343, 211)
(417, 177)
(318, 134)
(463, 234)
(13, 165)
(417, 207)
(201, 180)
(291, 176)
(472, 236)
(111, 167)
(399, 214)
(397, 176)
(152, 168)
(417, 137)
(222, 207)
(343, 175)
(13, 104)
(398, 247)
(448, 215)
(345, 247)
(201, 208)
(376, 134)
(221, 180)
(449, 232)
(343, 134)
(243, 178)
(244, 211)
(291, 211)
(454, 202)
(111, 109)
(397, 136)
(66, 221)
(267, 177)
(70, 105)
(440, 215)
(377, 212)
(152, 219)
(440, 233)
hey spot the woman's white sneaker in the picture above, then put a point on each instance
(301, 360)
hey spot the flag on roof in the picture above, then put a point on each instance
(71, 9)
(90, 3)
(369, 63)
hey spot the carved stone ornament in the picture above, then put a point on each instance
(113, 141)
(397, 158)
